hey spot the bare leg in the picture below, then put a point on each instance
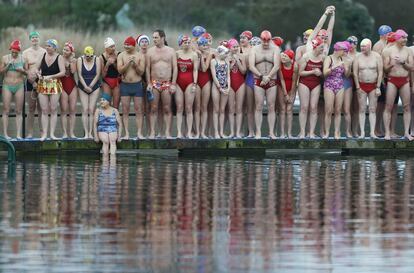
(304, 98)
(126, 106)
(339, 99)
(7, 97)
(250, 110)
(154, 113)
(139, 115)
(205, 98)
(223, 103)
(389, 104)
(372, 113)
(259, 94)
(271, 114)
(406, 99)
(314, 100)
(362, 100)
(19, 99)
(104, 137)
(329, 97)
(64, 109)
(179, 102)
(231, 108)
(347, 105)
(54, 102)
(189, 102)
(72, 112)
(197, 111)
(215, 95)
(91, 110)
(289, 112)
(240, 94)
(44, 104)
(282, 112)
(166, 106)
(112, 142)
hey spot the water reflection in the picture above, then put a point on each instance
(148, 214)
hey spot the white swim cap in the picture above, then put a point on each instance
(109, 42)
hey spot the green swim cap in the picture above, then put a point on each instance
(33, 33)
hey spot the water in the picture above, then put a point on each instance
(161, 213)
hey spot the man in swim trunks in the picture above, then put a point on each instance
(398, 62)
(131, 67)
(264, 62)
(368, 73)
(384, 32)
(33, 54)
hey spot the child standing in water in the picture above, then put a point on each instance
(107, 125)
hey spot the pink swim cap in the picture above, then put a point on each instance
(400, 34)
(231, 43)
(341, 46)
(248, 34)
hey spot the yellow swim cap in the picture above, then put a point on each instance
(89, 51)
(308, 32)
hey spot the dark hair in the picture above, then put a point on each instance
(162, 35)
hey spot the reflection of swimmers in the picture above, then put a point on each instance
(107, 125)
(14, 68)
(368, 71)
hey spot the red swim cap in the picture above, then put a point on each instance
(207, 35)
(316, 42)
(289, 53)
(16, 45)
(248, 34)
(391, 37)
(278, 41)
(130, 41)
(266, 35)
(70, 45)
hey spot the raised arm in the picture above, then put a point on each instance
(317, 28)
(330, 29)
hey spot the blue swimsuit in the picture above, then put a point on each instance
(107, 124)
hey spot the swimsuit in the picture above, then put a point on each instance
(112, 75)
(88, 76)
(13, 88)
(161, 85)
(287, 76)
(250, 79)
(268, 85)
(68, 81)
(221, 74)
(107, 124)
(335, 80)
(132, 89)
(368, 87)
(236, 77)
(348, 82)
(203, 77)
(185, 73)
(399, 81)
(312, 81)
(49, 87)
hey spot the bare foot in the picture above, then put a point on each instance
(168, 136)
(394, 135)
(337, 136)
(43, 138)
(217, 136)
(312, 136)
(29, 136)
(283, 136)
(290, 136)
(126, 137)
(251, 134)
(272, 136)
(258, 136)
(179, 135)
(408, 137)
(151, 136)
(53, 137)
(239, 135)
(387, 137)
(196, 136)
(203, 136)
(230, 136)
(362, 136)
(140, 136)
(301, 136)
(373, 136)
(325, 136)
(72, 135)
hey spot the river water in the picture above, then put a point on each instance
(164, 213)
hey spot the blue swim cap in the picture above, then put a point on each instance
(106, 97)
(198, 31)
(202, 41)
(384, 29)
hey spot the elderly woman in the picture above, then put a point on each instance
(70, 95)
(50, 69)
(110, 74)
(14, 68)
(89, 71)
(107, 125)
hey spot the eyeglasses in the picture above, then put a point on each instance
(89, 56)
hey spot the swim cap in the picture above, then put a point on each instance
(352, 40)
(266, 35)
(223, 43)
(70, 46)
(222, 50)
(198, 31)
(106, 97)
(340, 46)
(316, 42)
(255, 41)
(108, 42)
(207, 35)
(391, 37)
(130, 41)
(290, 53)
(89, 51)
(33, 33)
(278, 41)
(366, 42)
(16, 45)
(308, 32)
(400, 34)
(348, 45)
(202, 41)
(183, 38)
(141, 38)
(384, 30)
(248, 34)
(53, 43)
(323, 32)
(232, 42)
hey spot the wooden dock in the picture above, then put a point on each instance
(224, 146)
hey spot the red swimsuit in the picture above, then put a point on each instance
(68, 81)
(185, 73)
(203, 77)
(287, 76)
(236, 77)
(311, 81)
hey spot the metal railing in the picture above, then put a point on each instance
(11, 151)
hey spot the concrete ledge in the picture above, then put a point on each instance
(348, 146)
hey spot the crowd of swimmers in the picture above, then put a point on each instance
(214, 90)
